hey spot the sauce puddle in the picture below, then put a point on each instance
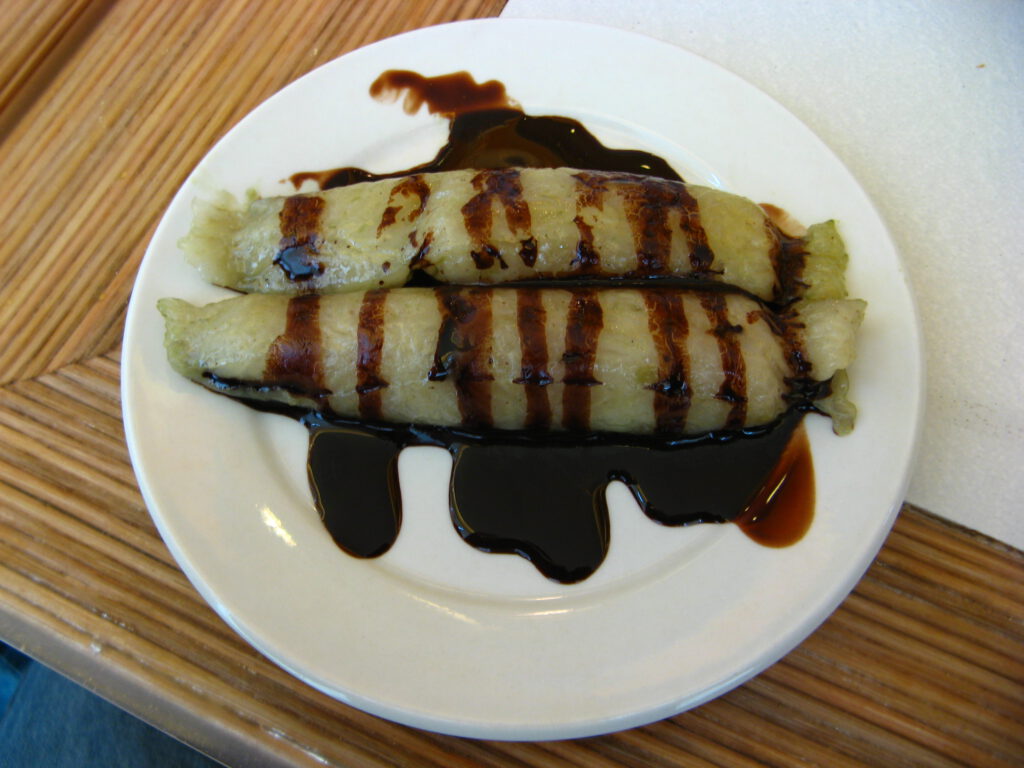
(541, 494)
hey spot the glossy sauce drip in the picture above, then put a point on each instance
(790, 489)
(487, 130)
(453, 94)
(537, 493)
(543, 496)
(300, 238)
(354, 478)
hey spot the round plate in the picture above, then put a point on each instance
(435, 634)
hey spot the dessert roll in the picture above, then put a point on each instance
(652, 361)
(494, 226)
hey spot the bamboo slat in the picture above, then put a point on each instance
(104, 109)
(35, 39)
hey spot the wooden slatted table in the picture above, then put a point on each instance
(105, 106)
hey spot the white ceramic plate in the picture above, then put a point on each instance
(435, 634)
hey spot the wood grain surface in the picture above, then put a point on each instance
(105, 107)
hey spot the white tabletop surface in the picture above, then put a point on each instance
(924, 103)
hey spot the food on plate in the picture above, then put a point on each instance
(510, 224)
(662, 359)
(573, 327)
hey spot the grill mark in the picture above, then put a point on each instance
(410, 185)
(419, 259)
(463, 351)
(586, 261)
(583, 327)
(733, 389)
(528, 251)
(590, 191)
(787, 326)
(789, 258)
(300, 241)
(701, 255)
(647, 204)
(788, 253)
(667, 322)
(506, 187)
(369, 355)
(295, 358)
(485, 255)
(533, 344)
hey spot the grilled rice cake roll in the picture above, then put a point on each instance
(493, 226)
(639, 361)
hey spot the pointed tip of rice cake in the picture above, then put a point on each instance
(824, 270)
(208, 244)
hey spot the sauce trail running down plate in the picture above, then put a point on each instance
(672, 617)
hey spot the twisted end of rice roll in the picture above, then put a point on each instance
(218, 338)
(209, 244)
(838, 405)
(825, 262)
(305, 242)
(830, 330)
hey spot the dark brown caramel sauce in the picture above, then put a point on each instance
(370, 345)
(538, 493)
(542, 496)
(463, 351)
(295, 359)
(667, 323)
(448, 95)
(505, 186)
(786, 223)
(734, 384)
(300, 238)
(354, 477)
(487, 130)
(583, 327)
(533, 342)
(410, 185)
(789, 487)
(551, 506)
